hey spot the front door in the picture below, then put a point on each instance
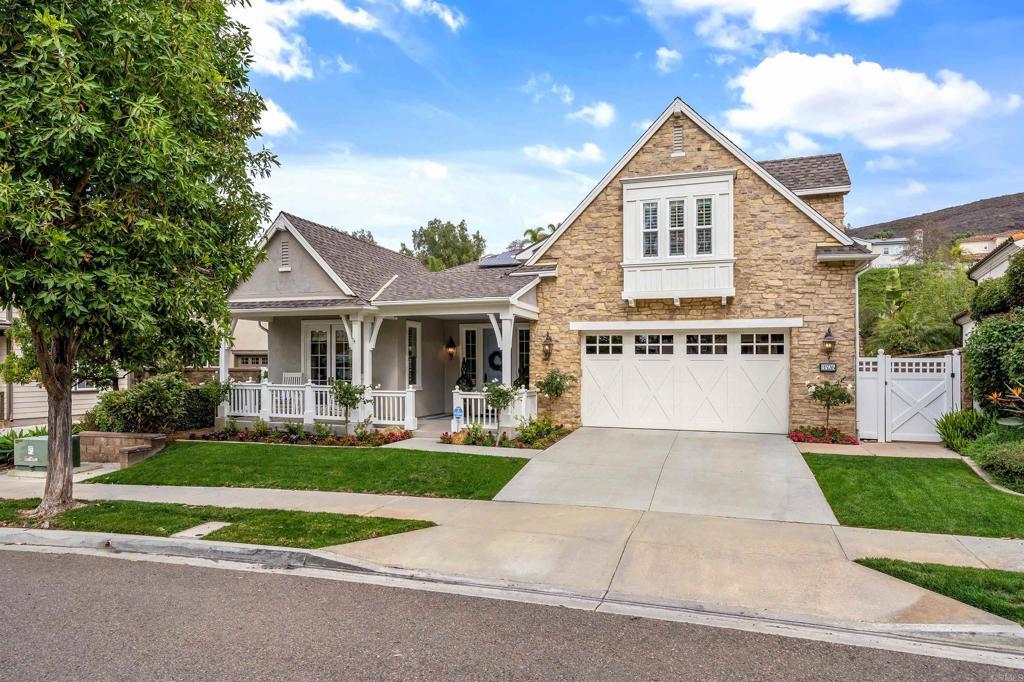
(492, 357)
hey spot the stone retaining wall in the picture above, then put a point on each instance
(122, 448)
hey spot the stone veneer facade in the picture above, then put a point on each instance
(776, 275)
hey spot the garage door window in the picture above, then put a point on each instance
(653, 344)
(603, 345)
(762, 344)
(707, 344)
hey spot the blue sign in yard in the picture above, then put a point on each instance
(458, 412)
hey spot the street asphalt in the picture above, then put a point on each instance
(82, 617)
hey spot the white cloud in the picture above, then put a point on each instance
(432, 170)
(344, 66)
(642, 125)
(797, 144)
(543, 84)
(835, 96)
(278, 47)
(737, 137)
(451, 16)
(275, 120)
(723, 59)
(736, 24)
(599, 115)
(1012, 103)
(564, 156)
(888, 163)
(394, 195)
(667, 59)
(912, 188)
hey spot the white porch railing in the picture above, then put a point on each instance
(470, 407)
(309, 403)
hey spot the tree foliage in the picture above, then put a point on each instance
(442, 244)
(995, 354)
(364, 234)
(910, 309)
(127, 208)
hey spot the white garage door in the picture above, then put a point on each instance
(702, 381)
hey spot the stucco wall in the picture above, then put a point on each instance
(306, 278)
(776, 275)
(284, 345)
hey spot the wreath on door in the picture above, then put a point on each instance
(494, 361)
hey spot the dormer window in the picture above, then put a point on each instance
(285, 264)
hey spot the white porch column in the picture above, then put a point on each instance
(223, 375)
(370, 330)
(506, 349)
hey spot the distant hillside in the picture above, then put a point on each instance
(986, 216)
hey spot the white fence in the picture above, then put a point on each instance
(309, 403)
(899, 399)
(470, 407)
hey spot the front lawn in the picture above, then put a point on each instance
(255, 526)
(386, 471)
(998, 592)
(915, 494)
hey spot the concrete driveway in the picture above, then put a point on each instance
(747, 476)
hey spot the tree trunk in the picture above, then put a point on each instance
(56, 359)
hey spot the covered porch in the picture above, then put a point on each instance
(426, 360)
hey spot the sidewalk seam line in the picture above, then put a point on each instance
(839, 540)
(970, 551)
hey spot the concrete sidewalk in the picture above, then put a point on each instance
(795, 570)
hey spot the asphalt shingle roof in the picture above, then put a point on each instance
(366, 267)
(283, 305)
(809, 172)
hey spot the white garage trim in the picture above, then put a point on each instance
(674, 325)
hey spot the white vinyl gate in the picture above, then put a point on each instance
(900, 398)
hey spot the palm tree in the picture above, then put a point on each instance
(535, 234)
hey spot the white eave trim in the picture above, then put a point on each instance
(679, 106)
(811, 191)
(381, 290)
(840, 257)
(282, 223)
(671, 325)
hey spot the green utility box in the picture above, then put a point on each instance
(32, 453)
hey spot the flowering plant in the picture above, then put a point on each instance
(1010, 406)
(830, 394)
(818, 434)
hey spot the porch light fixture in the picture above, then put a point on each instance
(828, 343)
(450, 347)
(547, 345)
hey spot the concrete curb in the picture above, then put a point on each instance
(983, 475)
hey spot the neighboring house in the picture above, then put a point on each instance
(250, 348)
(989, 267)
(977, 247)
(24, 404)
(690, 289)
(891, 252)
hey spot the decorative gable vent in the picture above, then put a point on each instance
(286, 263)
(677, 141)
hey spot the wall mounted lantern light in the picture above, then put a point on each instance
(828, 343)
(450, 347)
(547, 345)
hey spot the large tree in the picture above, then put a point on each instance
(127, 208)
(442, 244)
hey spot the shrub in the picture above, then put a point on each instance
(322, 431)
(995, 354)
(200, 405)
(156, 405)
(231, 428)
(957, 429)
(830, 394)
(555, 384)
(1015, 280)
(990, 298)
(537, 429)
(261, 429)
(1001, 453)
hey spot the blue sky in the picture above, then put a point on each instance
(386, 113)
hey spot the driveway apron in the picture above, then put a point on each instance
(737, 475)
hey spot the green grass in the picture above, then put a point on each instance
(915, 494)
(361, 470)
(255, 526)
(998, 592)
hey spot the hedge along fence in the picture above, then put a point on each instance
(995, 349)
(161, 404)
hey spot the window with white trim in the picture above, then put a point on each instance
(469, 354)
(85, 385)
(251, 361)
(523, 354)
(413, 359)
(704, 226)
(603, 344)
(677, 227)
(762, 344)
(653, 344)
(650, 229)
(707, 344)
(342, 357)
(318, 349)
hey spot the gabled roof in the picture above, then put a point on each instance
(363, 266)
(376, 274)
(821, 174)
(1010, 246)
(679, 106)
(998, 236)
